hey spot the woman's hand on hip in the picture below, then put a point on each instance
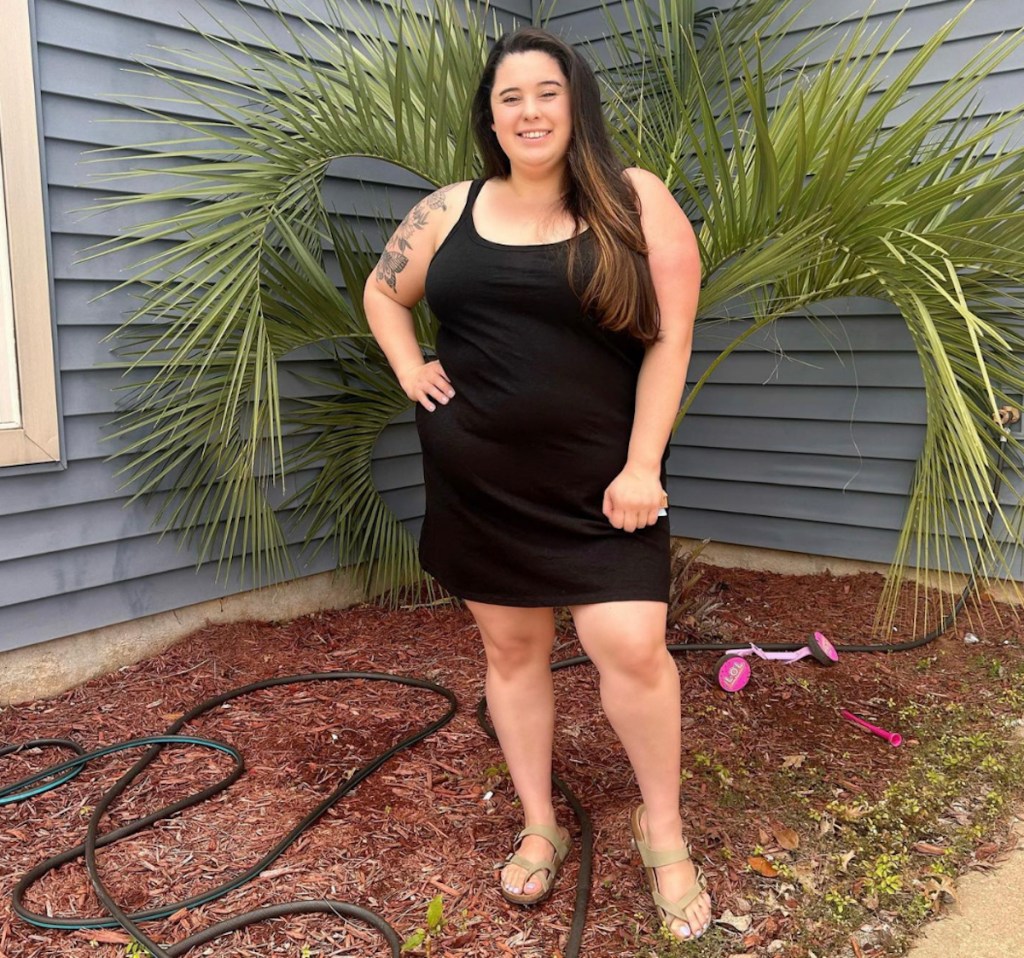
(633, 499)
(425, 383)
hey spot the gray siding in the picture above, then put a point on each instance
(74, 555)
(806, 440)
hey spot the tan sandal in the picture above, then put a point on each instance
(558, 837)
(668, 911)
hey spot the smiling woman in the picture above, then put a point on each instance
(565, 288)
(531, 110)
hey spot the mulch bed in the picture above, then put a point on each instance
(438, 819)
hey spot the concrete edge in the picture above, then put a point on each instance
(800, 563)
(49, 668)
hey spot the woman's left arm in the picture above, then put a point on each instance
(634, 497)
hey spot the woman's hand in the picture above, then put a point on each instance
(421, 383)
(633, 499)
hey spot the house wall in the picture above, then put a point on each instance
(803, 441)
(74, 555)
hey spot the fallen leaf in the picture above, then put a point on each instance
(844, 859)
(924, 848)
(740, 923)
(786, 837)
(793, 761)
(805, 874)
(762, 866)
(942, 889)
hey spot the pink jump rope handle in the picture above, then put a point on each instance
(779, 656)
(893, 738)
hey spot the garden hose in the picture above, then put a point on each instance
(22, 790)
(63, 772)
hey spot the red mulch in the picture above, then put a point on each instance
(423, 825)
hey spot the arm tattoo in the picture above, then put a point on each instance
(393, 260)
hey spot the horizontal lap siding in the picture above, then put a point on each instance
(807, 439)
(74, 553)
(803, 441)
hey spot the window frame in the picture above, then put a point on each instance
(37, 438)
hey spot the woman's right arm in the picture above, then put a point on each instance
(395, 287)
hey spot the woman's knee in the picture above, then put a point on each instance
(515, 637)
(624, 641)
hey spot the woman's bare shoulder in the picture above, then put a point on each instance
(449, 202)
(645, 182)
(661, 214)
(448, 198)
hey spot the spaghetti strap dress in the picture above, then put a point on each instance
(516, 464)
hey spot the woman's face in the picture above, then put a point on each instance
(531, 108)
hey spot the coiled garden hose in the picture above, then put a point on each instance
(22, 790)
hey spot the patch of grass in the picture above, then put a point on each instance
(890, 861)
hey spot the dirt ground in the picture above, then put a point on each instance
(438, 819)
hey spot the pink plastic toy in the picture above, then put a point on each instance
(893, 738)
(732, 671)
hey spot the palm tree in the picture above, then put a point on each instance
(800, 191)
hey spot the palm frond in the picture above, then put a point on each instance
(242, 281)
(785, 151)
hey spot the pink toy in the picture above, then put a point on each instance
(733, 672)
(893, 738)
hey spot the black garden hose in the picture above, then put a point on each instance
(17, 792)
(65, 771)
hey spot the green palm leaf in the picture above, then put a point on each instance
(243, 282)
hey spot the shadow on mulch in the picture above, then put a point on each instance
(776, 788)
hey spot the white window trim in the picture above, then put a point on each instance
(37, 437)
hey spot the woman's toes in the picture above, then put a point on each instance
(512, 881)
(702, 916)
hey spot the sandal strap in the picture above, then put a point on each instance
(655, 859)
(531, 867)
(675, 909)
(552, 834)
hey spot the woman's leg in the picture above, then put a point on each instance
(521, 703)
(641, 696)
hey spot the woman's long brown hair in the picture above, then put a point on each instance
(620, 292)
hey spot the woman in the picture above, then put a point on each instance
(565, 289)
